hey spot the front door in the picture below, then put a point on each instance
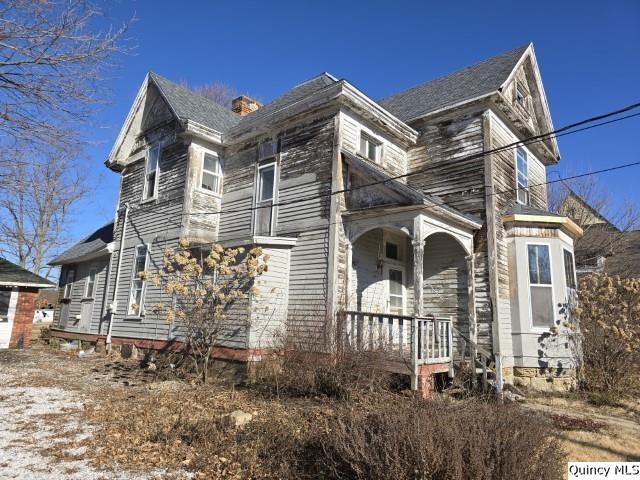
(396, 290)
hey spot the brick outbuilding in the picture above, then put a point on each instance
(19, 290)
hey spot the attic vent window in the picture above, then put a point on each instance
(369, 147)
(521, 97)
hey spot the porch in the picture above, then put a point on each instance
(409, 290)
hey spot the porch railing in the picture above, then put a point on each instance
(418, 340)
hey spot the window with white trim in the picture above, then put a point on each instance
(569, 270)
(68, 286)
(151, 172)
(522, 175)
(265, 197)
(5, 300)
(369, 147)
(138, 283)
(90, 287)
(211, 173)
(540, 286)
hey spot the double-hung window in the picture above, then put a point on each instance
(211, 173)
(136, 297)
(266, 191)
(5, 300)
(152, 172)
(90, 288)
(540, 286)
(68, 286)
(522, 175)
(369, 147)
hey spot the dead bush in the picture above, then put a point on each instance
(609, 324)
(338, 376)
(436, 440)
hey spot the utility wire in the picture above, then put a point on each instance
(566, 130)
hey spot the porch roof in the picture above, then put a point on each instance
(414, 197)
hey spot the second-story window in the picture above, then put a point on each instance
(211, 173)
(151, 172)
(265, 196)
(369, 147)
(522, 176)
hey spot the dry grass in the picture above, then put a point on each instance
(141, 421)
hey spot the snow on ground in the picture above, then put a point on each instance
(26, 429)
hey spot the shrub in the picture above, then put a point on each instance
(609, 318)
(436, 440)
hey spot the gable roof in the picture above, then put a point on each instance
(189, 105)
(92, 246)
(458, 87)
(291, 96)
(15, 276)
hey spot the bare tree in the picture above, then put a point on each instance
(52, 67)
(218, 92)
(595, 208)
(36, 203)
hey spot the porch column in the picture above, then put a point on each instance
(418, 264)
(348, 301)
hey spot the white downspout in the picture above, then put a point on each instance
(114, 302)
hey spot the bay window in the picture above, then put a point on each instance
(540, 286)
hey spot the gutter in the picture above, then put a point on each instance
(114, 303)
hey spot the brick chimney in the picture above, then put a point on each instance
(244, 105)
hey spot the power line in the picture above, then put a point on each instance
(566, 130)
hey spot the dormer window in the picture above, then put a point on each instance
(369, 147)
(152, 172)
(211, 173)
(522, 176)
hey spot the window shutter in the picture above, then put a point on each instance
(268, 149)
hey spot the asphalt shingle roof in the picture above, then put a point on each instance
(520, 209)
(93, 243)
(292, 96)
(12, 274)
(188, 104)
(479, 79)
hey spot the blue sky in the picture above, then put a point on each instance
(588, 52)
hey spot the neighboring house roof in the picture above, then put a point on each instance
(626, 259)
(475, 81)
(295, 94)
(92, 246)
(13, 275)
(189, 105)
(576, 207)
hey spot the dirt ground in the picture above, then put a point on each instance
(55, 404)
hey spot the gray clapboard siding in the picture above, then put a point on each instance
(445, 280)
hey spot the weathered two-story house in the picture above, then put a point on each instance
(418, 221)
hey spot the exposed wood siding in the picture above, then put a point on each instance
(442, 158)
(445, 280)
(393, 158)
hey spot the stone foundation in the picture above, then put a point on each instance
(547, 379)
